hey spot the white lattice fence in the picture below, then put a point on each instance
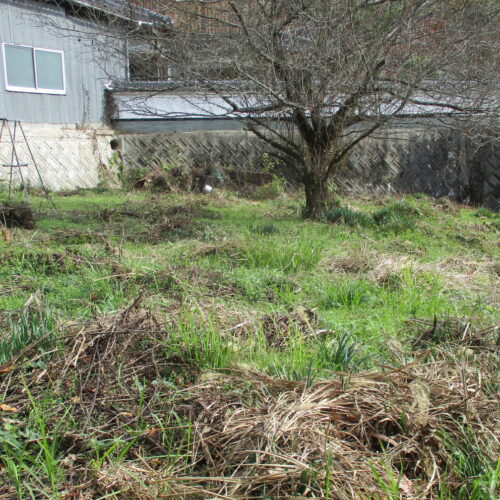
(67, 157)
(228, 148)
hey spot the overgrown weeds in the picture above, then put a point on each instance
(136, 386)
(266, 357)
(291, 257)
(397, 217)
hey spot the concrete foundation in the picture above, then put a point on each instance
(68, 156)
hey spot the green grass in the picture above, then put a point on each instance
(348, 216)
(287, 257)
(367, 272)
(264, 257)
(32, 327)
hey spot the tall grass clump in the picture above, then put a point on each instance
(264, 229)
(341, 354)
(345, 294)
(32, 327)
(299, 255)
(197, 341)
(348, 216)
(397, 217)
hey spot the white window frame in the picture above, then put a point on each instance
(36, 89)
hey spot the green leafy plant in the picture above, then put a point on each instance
(341, 354)
(268, 163)
(32, 327)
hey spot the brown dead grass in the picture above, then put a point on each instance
(252, 435)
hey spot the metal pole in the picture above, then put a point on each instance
(18, 163)
(11, 157)
(36, 167)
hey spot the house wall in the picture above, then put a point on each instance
(70, 144)
(87, 68)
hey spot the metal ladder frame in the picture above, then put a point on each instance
(14, 157)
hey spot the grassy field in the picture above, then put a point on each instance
(189, 346)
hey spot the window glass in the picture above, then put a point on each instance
(19, 64)
(49, 70)
(34, 70)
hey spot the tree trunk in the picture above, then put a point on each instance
(317, 196)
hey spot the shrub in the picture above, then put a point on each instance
(131, 176)
(269, 191)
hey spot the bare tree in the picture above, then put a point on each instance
(322, 66)
(313, 78)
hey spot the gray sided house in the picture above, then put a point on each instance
(56, 59)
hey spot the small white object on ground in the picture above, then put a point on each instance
(207, 189)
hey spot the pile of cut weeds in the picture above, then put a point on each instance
(123, 424)
(16, 214)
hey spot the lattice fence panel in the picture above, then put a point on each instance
(434, 161)
(238, 149)
(66, 159)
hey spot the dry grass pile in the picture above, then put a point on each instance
(277, 328)
(328, 442)
(242, 434)
(455, 271)
(16, 214)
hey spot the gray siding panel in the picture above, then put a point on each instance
(27, 22)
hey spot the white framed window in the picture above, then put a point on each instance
(35, 70)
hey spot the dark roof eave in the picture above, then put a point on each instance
(119, 9)
(169, 85)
